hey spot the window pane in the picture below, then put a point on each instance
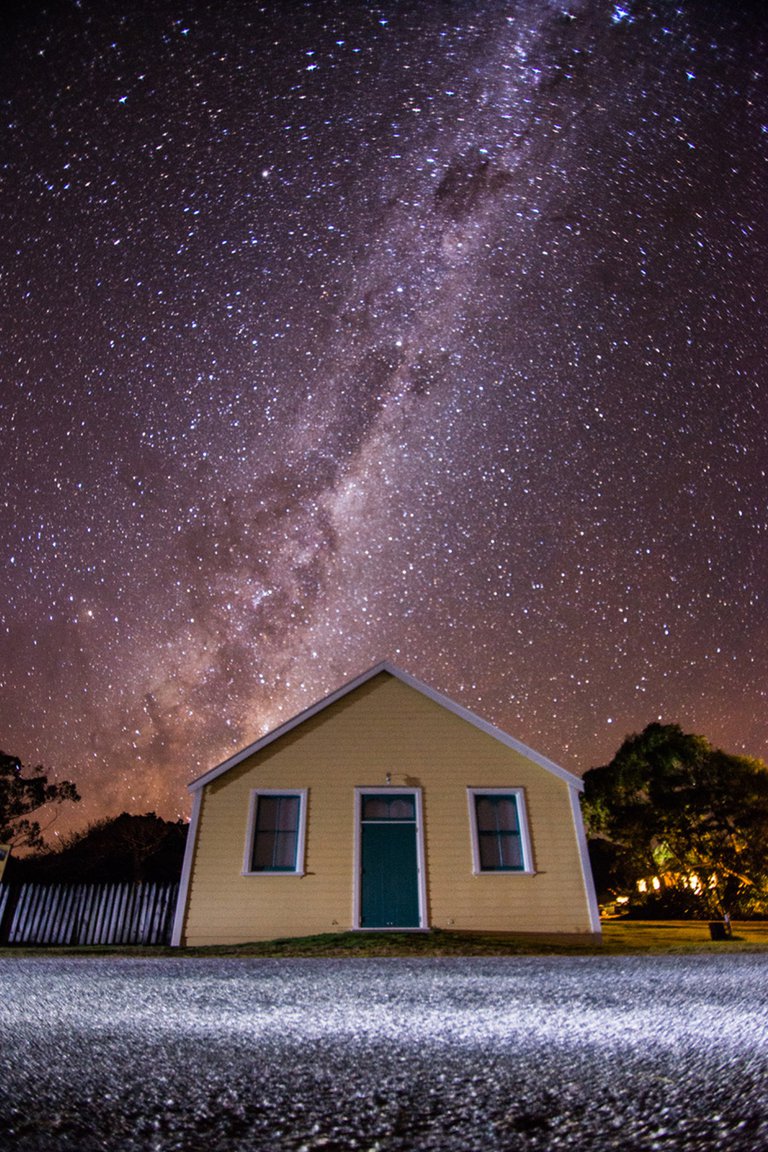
(401, 808)
(489, 857)
(506, 813)
(266, 813)
(375, 807)
(388, 808)
(486, 813)
(277, 813)
(284, 855)
(276, 834)
(287, 813)
(496, 813)
(263, 851)
(510, 851)
(499, 842)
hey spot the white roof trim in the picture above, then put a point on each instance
(412, 682)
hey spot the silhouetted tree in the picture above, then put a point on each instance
(670, 805)
(124, 847)
(21, 795)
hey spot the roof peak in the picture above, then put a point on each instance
(386, 666)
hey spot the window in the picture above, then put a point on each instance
(276, 830)
(388, 807)
(499, 830)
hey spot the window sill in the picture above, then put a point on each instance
(503, 872)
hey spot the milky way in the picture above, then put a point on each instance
(340, 332)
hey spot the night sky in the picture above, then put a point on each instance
(339, 332)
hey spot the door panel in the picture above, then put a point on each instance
(389, 866)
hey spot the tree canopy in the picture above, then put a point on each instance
(22, 795)
(671, 806)
(127, 847)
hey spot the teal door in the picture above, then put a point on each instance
(389, 862)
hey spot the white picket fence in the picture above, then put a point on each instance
(68, 914)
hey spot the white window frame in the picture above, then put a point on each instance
(299, 870)
(357, 888)
(525, 839)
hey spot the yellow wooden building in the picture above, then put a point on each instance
(385, 806)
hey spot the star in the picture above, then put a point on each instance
(343, 335)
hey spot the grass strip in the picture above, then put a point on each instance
(620, 937)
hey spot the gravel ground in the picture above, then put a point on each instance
(523, 1053)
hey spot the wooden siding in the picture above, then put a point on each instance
(384, 726)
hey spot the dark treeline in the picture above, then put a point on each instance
(122, 848)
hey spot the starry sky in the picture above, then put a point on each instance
(335, 332)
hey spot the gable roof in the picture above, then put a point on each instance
(412, 682)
